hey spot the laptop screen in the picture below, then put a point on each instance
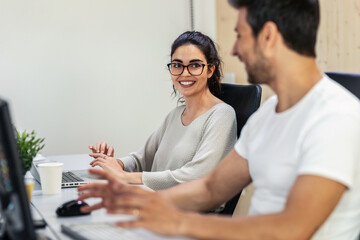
(15, 214)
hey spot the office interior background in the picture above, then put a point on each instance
(79, 72)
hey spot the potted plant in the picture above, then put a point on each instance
(28, 145)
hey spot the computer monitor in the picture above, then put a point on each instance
(14, 207)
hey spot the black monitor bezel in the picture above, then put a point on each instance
(7, 135)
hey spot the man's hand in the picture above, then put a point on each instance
(154, 212)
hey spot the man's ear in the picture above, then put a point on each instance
(211, 69)
(268, 37)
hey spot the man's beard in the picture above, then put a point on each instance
(252, 79)
(260, 72)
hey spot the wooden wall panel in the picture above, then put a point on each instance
(338, 46)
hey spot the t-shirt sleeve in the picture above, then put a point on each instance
(329, 148)
(218, 139)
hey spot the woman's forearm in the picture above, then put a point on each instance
(133, 177)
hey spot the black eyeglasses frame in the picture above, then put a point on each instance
(187, 67)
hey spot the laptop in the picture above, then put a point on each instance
(70, 179)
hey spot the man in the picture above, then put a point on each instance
(300, 149)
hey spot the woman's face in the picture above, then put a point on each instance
(186, 83)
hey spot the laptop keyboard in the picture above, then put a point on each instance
(70, 177)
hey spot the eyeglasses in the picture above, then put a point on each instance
(195, 69)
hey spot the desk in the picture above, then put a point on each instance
(44, 206)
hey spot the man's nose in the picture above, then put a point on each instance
(234, 50)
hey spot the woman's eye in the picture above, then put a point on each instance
(195, 65)
(176, 65)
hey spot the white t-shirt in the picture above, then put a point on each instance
(320, 135)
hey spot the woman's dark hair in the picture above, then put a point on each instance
(297, 20)
(208, 48)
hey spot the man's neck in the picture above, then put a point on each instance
(294, 78)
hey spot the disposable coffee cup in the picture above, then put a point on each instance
(50, 177)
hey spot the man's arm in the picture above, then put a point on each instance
(309, 203)
(226, 180)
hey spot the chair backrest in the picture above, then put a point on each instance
(245, 99)
(350, 81)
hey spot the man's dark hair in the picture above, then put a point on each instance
(297, 20)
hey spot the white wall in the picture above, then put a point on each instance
(205, 17)
(84, 71)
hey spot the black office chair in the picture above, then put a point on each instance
(350, 81)
(245, 99)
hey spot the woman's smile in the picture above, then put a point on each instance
(186, 83)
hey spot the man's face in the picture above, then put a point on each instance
(247, 50)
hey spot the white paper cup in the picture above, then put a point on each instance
(50, 176)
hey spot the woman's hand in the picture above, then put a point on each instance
(109, 164)
(116, 168)
(154, 212)
(102, 147)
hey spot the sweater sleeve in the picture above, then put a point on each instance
(219, 137)
(142, 160)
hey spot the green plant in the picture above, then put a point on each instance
(28, 146)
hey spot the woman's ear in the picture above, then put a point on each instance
(211, 69)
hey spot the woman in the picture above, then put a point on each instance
(195, 136)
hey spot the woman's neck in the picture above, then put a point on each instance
(198, 105)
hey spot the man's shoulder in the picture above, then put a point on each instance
(266, 107)
(334, 98)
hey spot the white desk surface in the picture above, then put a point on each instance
(45, 205)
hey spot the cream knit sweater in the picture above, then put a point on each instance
(175, 153)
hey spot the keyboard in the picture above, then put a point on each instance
(70, 177)
(96, 231)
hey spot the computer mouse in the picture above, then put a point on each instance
(71, 208)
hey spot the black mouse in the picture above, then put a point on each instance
(71, 208)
